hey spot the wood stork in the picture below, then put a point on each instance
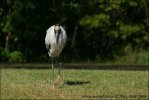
(55, 41)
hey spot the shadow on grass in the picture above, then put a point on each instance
(77, 82)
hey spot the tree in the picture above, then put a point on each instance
(96, 29)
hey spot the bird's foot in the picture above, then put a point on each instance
(58, 79)
(53, 87)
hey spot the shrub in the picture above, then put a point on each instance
(16, 56)
(4, 54)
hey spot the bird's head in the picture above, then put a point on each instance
(57, 31)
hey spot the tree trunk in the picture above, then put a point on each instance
(74, 37)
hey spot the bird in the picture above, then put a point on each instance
(55, 41)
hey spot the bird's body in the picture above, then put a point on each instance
(53, 46)
(55, 41)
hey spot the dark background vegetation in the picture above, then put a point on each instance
(98, 30)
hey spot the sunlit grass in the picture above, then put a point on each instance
(79, 84)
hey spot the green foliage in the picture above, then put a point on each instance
(13, 57)
(113, 34)
(5, 53)
(16, 56)
(133, 58)
(129, 29)
(95, 21)
(97, 28)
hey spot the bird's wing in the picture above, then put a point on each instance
(49, 38)
(64, 36)
(49, 35)
(48, 46)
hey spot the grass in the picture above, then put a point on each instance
(76, 84)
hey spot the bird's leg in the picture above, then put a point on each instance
(53, 85)
(59, 68)
(57, 81)
(52, 71)
(58, 77)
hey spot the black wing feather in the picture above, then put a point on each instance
(48, 46)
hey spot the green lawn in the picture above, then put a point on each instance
(79, 84)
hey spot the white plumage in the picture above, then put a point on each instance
(55, 41)
(54, 48)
